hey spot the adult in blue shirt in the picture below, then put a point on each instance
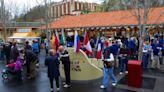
(36, 50)
(156, 49)
(114, 50)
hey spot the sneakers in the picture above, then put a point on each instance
(114, 84)
(37, 65)
(51, 89)
(58, 89)
(120, 73)
(64, 83)
(102, 87)
(66, 86)
(126, 72)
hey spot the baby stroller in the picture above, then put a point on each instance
(8, 71)
(12, 69)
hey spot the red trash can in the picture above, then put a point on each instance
(134, 73)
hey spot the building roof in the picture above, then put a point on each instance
(113, 18)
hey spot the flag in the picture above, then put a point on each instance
(97, 40)
(87, 44)
(99, 50)
(56, 40)
(77, 43)
(53, 42)
(62, 41)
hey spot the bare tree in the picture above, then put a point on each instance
(5, 17)
(141, 9)
(47, 19)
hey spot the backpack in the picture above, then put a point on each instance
(35, 47)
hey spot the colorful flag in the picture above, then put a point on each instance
(99, 50)
(97, 40)
(63, 41)
(87, 44)
(77, 43)
(56, 40)
(53, 42)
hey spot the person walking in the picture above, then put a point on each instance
(108, 60)
(52, 63)
(64, 57)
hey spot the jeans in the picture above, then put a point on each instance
(156, 62)
(123, 64)
(116, 61)
(145, 61)
(46, 49)
(108, 72)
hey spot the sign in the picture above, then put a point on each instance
(24, 30)
(81, 67)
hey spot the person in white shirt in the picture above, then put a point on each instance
(108, 60)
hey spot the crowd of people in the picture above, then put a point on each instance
(116, 53)
(17, 57)
(27, 58)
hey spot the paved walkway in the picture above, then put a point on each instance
(153, 82)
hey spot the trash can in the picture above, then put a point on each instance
(135, 73)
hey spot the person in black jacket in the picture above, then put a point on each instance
(14, 52)
(31, 60)
(52, 63)
(64, 57)
(7, 50)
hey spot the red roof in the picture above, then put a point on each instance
(114, 18)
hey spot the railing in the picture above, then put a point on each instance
(24, 24)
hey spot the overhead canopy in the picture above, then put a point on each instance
(24, 35)
(113, 18)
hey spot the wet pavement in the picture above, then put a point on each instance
(153, 81)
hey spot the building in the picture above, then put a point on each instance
(69, 7)
(121, 22)
(108, 19)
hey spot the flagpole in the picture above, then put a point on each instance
(98, 37)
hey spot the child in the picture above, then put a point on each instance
(18, 68)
